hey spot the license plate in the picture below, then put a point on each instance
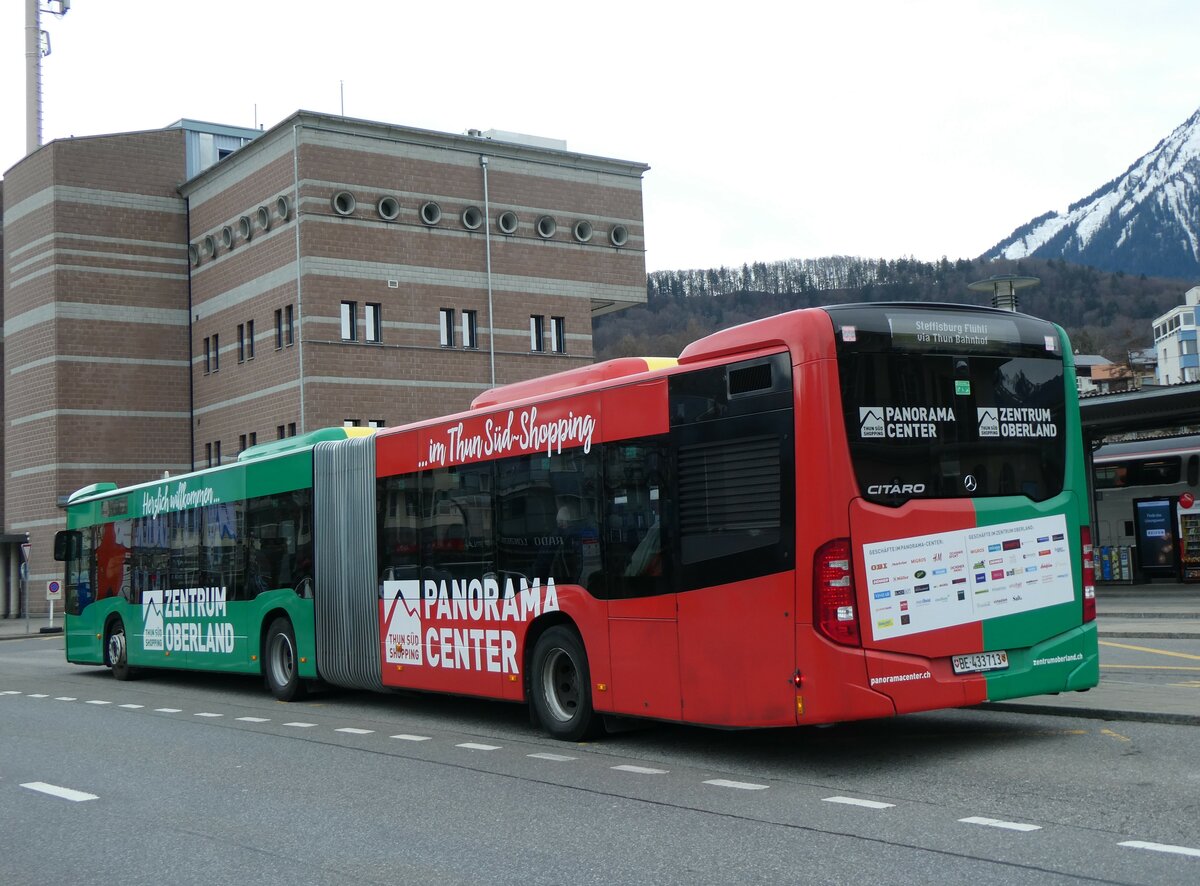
(980, 661)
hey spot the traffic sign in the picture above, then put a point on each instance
(26, 547)
(53, 590)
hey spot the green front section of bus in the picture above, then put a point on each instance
(178, 632)
(193, 627)
(1050, 649)
(211, 636)
(234, 482)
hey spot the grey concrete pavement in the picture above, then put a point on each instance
(1128, 614)
(1148, 612)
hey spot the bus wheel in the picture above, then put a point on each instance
(116, 654)
(560, 686)
(280, 663)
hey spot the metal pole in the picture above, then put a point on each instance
(487, 239)
(24, 572)
(299, 273)
(33, 76)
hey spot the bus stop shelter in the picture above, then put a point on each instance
(1149, 412)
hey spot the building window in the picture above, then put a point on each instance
(249, 339)
(217, 452)
(349, 321)
(254, 438)
(351, 422)
(558, 335)
(373, 322)
(208, 454)
(470, 334)
(376, 423)
(285, 327)
(537, 333)
(241, 442)
(446, 316)
(216, 352)
(280, 431)
(241, 342)
(207, 357)
(291, 429)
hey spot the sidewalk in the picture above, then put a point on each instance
(14, 628)
(1128, 614)
(1124, 614)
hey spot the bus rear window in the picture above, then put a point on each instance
(932, 417)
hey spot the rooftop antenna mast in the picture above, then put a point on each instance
(37, 45)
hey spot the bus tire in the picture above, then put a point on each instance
(281, 663)
(116, 651)
(560, 686)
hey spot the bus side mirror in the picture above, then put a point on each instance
(68, 545)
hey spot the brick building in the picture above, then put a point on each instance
(171, 297)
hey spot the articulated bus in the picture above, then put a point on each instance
(837, 513)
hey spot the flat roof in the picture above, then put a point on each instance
(1164, 408)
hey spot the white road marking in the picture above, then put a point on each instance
(405, 737)
(255, 719)
(55, 791)
(12, 692)
(65, 698)
(476, 746)
(98, 701)
(301, 725)
(854, 801)
(640, 770)
(207, 714)
(350, 730)
(1161, 847)
(168, 710)
(133, 707)
(38, 695)
(997, 823)
(557, 758)
(740, 785)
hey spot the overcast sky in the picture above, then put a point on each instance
(774, 130)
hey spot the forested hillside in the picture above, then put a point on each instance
(1104, 313)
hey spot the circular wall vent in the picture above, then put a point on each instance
(431, 213)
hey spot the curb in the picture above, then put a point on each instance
(1149, 616)
(1157, 635)
(1093, 713)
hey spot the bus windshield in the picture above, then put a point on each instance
(951, 403)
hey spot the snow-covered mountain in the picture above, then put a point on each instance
(1146, 221)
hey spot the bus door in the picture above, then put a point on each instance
(735, 461)
(642, 608)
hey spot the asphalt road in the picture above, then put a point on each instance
(187, 779)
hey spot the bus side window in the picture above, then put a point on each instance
(634, 554)
(1193, 470)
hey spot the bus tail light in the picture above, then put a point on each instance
(833, 592)
(1089, 575)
